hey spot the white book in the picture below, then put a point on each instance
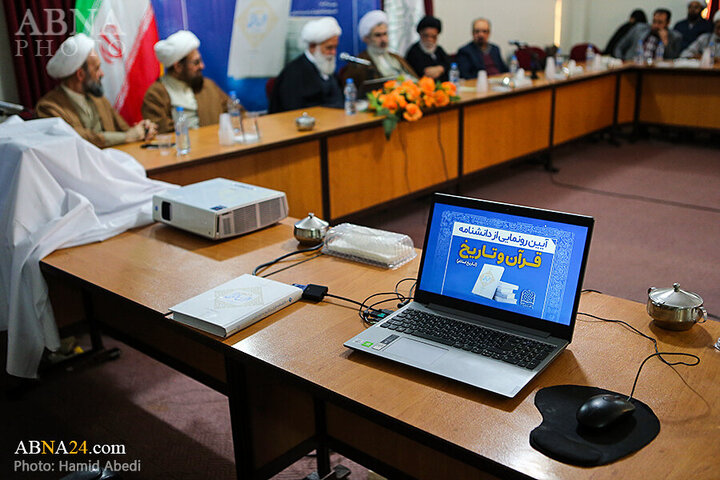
(488, 280)
(236, 304)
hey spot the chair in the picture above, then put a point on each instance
(578, 52)
(269, 86)
(525, 57)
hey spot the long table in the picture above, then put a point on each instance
(345, 165)
(293, 387)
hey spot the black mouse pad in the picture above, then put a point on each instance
(560, 437)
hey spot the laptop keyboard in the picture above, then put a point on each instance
(520, 351)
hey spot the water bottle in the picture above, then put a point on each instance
(639, 53)
(182, 138)
(350, 97)
(711, 47)
(660, 52)
(558, 61)
(454, 75)
(235, 111)
(590, 57)
(514, 65)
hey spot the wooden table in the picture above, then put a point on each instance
(345, 165)
(294, 387)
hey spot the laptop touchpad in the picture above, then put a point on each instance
(420, 353)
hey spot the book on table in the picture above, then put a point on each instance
(236, 304)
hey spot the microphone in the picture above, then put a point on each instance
(10, 108)
(518, 43)
(349, 58)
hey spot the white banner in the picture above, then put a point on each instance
(504, 237)
(257, 46)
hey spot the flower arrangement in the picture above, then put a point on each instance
(407, 99)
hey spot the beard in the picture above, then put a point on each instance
(196, 82)
(428, 48)
(376, 51)
(94, 88)
(324, 63)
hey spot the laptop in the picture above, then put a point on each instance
(496, 297)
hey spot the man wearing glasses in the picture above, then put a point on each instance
(480, 54)
(183, 85)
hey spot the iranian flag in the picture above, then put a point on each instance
(125, 33)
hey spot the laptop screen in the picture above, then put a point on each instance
(505, 261)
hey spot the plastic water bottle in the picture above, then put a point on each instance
(514, 65)
(182, 138)
(235, 111)
(454, 75)
(558, 61)
(711, 47)
(350, 97)
(639, 53)
(590, 57)
(660, 52)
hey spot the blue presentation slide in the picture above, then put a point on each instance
(518, 264)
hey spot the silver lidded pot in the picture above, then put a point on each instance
(674, 308)
(305, 122)
(310, 230)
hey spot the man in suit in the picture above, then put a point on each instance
(426, 57)
(183, 85)
(480, 54)
(79, 98)
(649, 37)
(310, 79)
(705, 41)
(373, 29)
(694, 25)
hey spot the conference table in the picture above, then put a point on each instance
(293, 387)
(345, 165)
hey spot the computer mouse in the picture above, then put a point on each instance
(604, 409)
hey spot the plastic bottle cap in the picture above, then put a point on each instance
(179, 109)
(453, 65)
(349, 80)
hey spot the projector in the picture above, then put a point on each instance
(220, 208)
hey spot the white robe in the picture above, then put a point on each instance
(56, 191)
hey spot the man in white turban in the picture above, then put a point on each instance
(310, 79)
(183, 85)
(373, 29)
(79, 98)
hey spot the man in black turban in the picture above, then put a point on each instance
(426, 57)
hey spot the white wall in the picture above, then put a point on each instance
(530, 21)
(596, 21)
(8, 87)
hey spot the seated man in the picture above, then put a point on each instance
(480, 54)
(373, 30)
(426, 57)
(697, 48)
(79, 98)
(183, 85)
(650, 36)
(694, 25)
(310, 79)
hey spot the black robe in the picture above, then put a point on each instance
(300, 85)
(419, 60)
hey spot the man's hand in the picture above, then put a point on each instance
(144, 130)
(664, 35)
(434, 71)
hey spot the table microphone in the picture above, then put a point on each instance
(518, 43)
(10, 108)
(349, 58)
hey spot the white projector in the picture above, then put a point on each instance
(220, 208)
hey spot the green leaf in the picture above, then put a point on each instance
(389, 124)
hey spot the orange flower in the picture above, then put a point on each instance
(441, 98)
(412, 112)
(450, 88)
(376, 93)
(390, 84)
(412, 92)
(390, 102)
(400, 99)
(427, 84)
(429, 100)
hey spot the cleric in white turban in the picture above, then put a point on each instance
(373, 29)
(183, 85)
(79, 98)
(310, 79)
